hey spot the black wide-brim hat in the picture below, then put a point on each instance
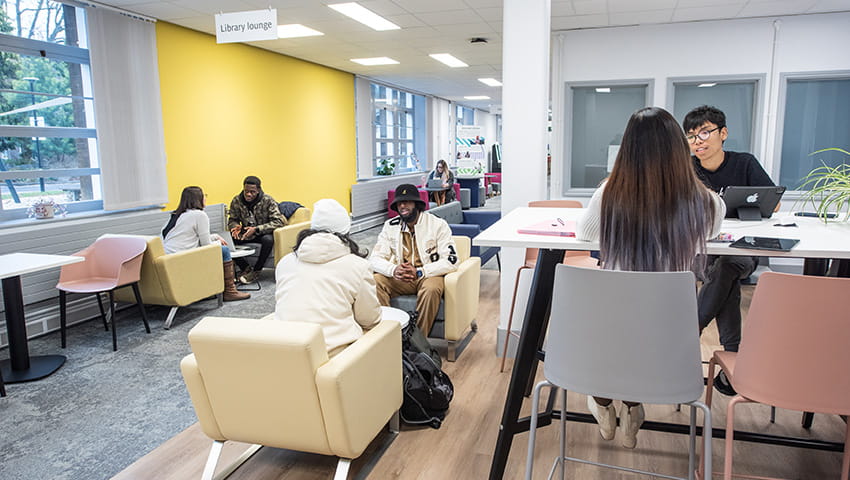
(407, 193)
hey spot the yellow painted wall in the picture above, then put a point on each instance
(233, 110)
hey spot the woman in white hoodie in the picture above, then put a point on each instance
(327, 280)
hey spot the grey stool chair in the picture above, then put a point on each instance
(624, 335)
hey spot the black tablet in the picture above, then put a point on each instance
(765, 243)
(751, 203)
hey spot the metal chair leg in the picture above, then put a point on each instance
(112, 319)
(63, 312)
(102, 312)
(508, 332)
(141, 305)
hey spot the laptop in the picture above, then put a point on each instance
(435, 183)
(230, 244)
(751, 203)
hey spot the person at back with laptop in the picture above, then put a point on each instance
(189, 227)
(442, 172)
(720, 296)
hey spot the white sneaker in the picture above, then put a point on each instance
(606, 417)
(631, 418)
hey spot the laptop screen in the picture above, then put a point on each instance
(435, 183)
(751, 203)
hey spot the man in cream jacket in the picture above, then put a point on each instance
(413, 253)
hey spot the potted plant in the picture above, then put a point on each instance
(385, 167)
(45, 207)
(828, 187)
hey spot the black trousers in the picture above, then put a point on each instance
(266, 242)
(720, 296)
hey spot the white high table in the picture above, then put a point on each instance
(818, 243)
(20, 367)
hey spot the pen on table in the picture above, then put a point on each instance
(560, 221)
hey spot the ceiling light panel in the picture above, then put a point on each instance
(477, 97)
(365, 16)
(374, 61)
(448, 59)
(295, 30)
(490, 82)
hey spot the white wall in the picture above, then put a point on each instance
(807, 43)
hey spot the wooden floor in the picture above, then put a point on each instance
(463, 447)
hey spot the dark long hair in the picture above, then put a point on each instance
(656, 214)
(192, 198)
(344, 238)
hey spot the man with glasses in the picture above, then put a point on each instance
(720, 295)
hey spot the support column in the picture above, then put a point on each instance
(525, 110)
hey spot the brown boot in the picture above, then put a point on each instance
(230, 293)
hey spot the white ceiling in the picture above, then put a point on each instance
(446, 26)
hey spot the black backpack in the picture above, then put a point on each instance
(427, 390)
(412, 339)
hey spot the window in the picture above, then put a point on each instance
(465, 115)
(816, 117)
(737, 99)
(598, 117)
(398, 130)
(48, 145)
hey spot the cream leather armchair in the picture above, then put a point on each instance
(177, 279)
(457, 317)
(285, 237)
(271, 383)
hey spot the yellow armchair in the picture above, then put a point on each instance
(299, 398)
(285, 237)
(458, 311)
(177, 279)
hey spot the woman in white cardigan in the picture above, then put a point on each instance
(189, 227)
(652, 215)
(327, 280)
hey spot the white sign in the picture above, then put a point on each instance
(246, 26)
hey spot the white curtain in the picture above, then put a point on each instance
(128, 112)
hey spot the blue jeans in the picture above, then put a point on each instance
(225, 253)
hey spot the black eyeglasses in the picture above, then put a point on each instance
(703, 135)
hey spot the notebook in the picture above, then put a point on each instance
(554, 226)
(765, 243)
(435, 183)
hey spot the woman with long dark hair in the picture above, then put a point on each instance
(442, 171)
(327, 279)
(189, 227)
(652, 214)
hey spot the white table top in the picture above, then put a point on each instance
(14, 264)
(241, 251)
(817, 240)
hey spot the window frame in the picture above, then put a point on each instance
(395, 140)
(60, 53)
(566, 133)
(756, 125)
(782, 100)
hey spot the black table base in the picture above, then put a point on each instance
(40, 367)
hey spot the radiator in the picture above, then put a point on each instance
(369, 199)
(64, 236)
